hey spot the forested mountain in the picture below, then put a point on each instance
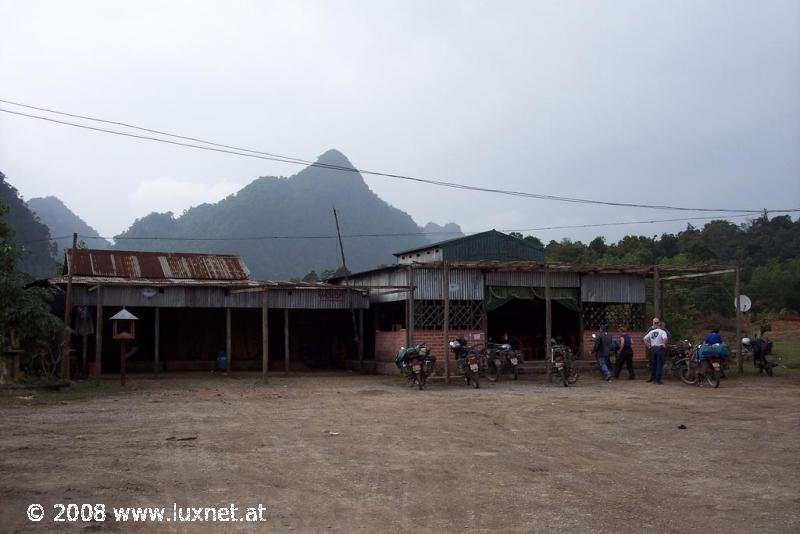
(297, 213)
(768, 250)
(36, 251)
(62, 222)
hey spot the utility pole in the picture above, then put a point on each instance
(739, 322)
(347, 281)
(66, 347)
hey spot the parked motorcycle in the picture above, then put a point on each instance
(501, 356)
(761, 349)
(561, 363)
(468, 359)
(679, 356)
(706, 364)
(416, 364)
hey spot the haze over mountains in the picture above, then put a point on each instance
(62, 222)
(282, 227)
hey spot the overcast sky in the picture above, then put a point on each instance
(688, 103)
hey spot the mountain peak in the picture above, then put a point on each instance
(334, 157)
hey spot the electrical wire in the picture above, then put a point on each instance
(230, 149)
(399, 234)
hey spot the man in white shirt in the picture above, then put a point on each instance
(656, 341)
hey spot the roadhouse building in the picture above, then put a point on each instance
(196, 310)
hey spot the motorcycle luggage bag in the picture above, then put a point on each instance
(721, 350)
(402, 354)
(705, 352)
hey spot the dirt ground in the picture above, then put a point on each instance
(349, 453)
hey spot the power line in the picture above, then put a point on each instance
(399, 234)
(231, 149)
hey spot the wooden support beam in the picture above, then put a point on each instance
(157, 343)
(698, 275)
(737, 294)
(361, 340)
(410, 306)
(548, 314)
(265, 336)
(484, 315)
(446, 321)
(656, 293)
(98, 337)
(286, 341)
(67, 346)
(228, 341)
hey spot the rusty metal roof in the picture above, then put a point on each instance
(155, 265)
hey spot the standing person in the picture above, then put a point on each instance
(656, 341)
(602, 349)
(647, 352)
(625, 357)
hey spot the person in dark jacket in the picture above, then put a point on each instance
(602, 350)
(625, 357)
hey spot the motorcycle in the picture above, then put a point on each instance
(763, 360)
(468, 361)
(500, 356)
(416, 364)
(706, 364)
(679, 355)
(561, 363)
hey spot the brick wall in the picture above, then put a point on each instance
(636, 341)
(387, 344)
(434, 341)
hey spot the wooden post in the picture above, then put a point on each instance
(361, 339)
(228, 343)
(286, 341)
(737, 291)
(410, 304)
(98, 339)
(157, 344)
(656, 293)
(264, 335)
(581, 329)
(548, 314)
(485, 315)
(446, 321)
(66, 348)
(122, 362)
(84, 353)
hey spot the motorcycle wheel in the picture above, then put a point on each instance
(687, 377)
(421, 381)
(492, 372)
(563, 374)
(475, 381)
(769, 369)
(712, 377)
(515, 372)
(572, 377)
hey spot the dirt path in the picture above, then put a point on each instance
(510, 457)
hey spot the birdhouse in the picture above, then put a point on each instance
(124, 326)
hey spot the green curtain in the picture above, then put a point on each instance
(497, 296)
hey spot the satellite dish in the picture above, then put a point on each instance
(149, 292)
(744, 303)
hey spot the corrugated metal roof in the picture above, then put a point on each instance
(156, 265)
(484, 245)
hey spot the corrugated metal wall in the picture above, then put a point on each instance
(613, 288)
(212, 297)
(465, 284)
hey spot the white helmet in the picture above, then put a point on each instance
(745, 341)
